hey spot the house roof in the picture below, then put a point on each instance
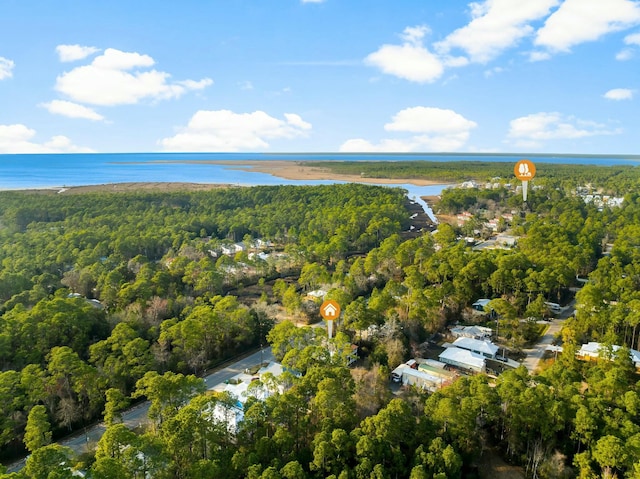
(317, 293)
(274, 368)
(481, 302)
(471, 331)
(485, 347)
(423, 375)
(400, 368)
(462, 356)
(239, 392)
(593, 348)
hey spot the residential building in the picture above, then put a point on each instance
(463, 359)
(474, 332)
(480, 304)
(481, 347)
(241, 387)
(593, 351)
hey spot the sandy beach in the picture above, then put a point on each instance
(290, 170)
(298, 170)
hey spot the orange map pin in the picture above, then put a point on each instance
(524, 170)
(330, 309)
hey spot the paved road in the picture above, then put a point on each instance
(535, 354)
(137, 415)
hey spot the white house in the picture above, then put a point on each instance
(232, 248)
(240, 388)
(475, 332)
(593, 350)
(261, 255)
(261, 243)
(480, 304)
(464, 359)
(420, 379)
(484, 348)
(317, 294)
(506, 240)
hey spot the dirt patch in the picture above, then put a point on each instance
(492, 466)
(450, 219)
(432, 200)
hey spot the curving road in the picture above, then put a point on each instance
(137, 415)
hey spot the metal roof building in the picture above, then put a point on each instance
(485, 348)
(464, 359)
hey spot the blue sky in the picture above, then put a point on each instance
(314, 76)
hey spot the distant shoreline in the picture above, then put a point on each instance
(297, 170)
(127, 187)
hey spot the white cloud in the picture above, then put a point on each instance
(450, 61)
(554, 126)
(414, 35)
(71, 53)
(17, 138)
(284, 91)
(71, 110)
(579, 21)
(62, 144)
(6, 68)
(411, 60)
(495, 26)
(196, 85)
(296, 121)
(407, 145)
(633, 39)
(628, 53)
(224, 130)
(493, 71)
(245, 85)
(619, 94)
(113, 59)
(107, 81)
(438, 130)
(421, 119)
(624, 54)
(537, 56)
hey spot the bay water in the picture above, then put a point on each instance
(33, 171)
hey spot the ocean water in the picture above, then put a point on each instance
(57, 170)
(60, 170)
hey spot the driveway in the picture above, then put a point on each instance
(535, 354)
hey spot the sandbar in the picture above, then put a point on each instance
(298, 170)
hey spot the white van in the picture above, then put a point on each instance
(554, 307)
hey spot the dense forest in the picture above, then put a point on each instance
(614, 179)
(107, 298)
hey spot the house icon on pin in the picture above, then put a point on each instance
(330, 309)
